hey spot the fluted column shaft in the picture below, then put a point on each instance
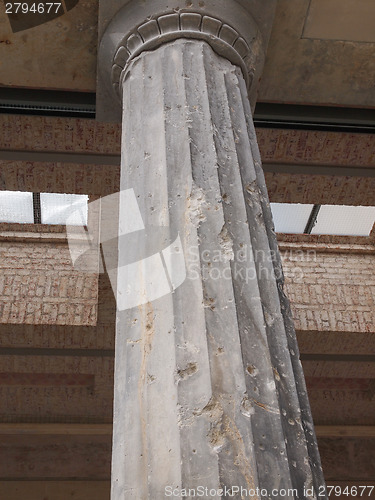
(208, 385)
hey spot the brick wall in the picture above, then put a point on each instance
(38, 285)
(38, 363)
(330, 291)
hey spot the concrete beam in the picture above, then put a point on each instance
(97, 159)
(67, 429)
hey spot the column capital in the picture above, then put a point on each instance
(229, 26)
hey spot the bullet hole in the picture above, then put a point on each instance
(188, 371)
(250, 369)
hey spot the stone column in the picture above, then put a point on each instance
(209, 391)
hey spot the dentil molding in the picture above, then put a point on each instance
(136, 26)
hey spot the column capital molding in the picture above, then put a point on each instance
(229, 26)
(223, 38)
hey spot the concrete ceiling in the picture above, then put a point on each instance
(59, 54)
(321, 52)
(314, 56)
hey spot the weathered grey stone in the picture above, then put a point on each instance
(237, 29)
(208, 385)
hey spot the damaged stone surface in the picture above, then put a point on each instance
(209, 394)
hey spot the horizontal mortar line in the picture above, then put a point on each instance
(350, 482)
(53, 479)
(63, 157)
(358, 358)
(55, 429)
(369, 481)
(11, 418)
(29, 379)
(50, 351)
(53, 301)
(345, 430)
(36, 351)
(288, 168)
